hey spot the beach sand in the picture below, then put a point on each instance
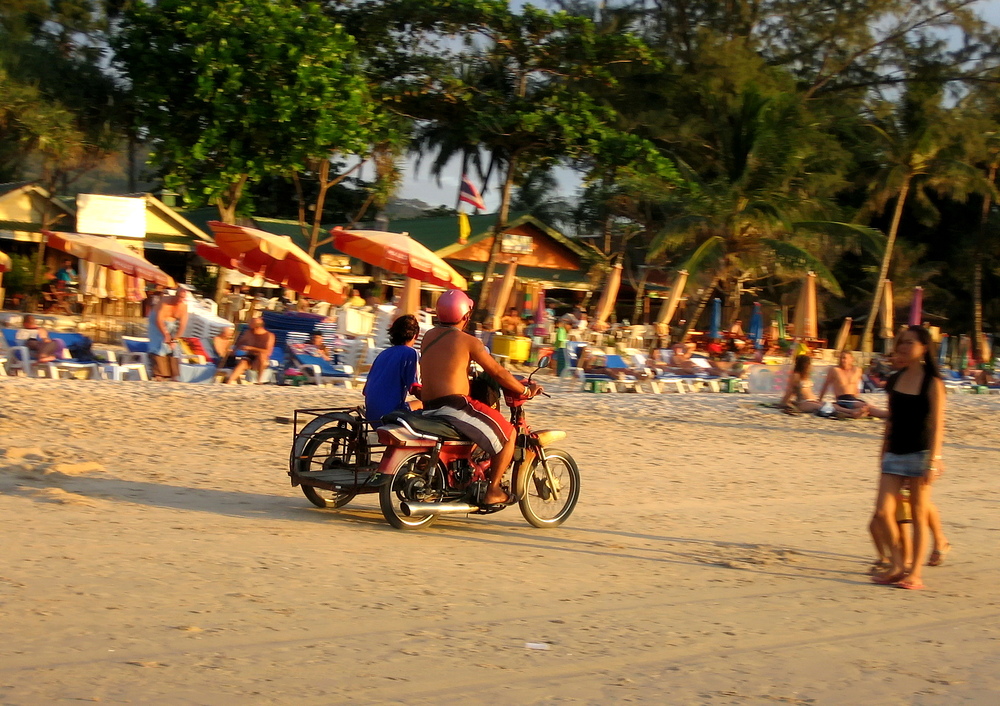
(154, 552)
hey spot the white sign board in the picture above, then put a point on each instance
(124, 216)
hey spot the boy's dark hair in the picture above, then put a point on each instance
(403, 330)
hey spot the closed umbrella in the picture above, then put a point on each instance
(782, 334)
(845, 332)
(399, 253)
(756, 328)
(503, 294)
(108, 252)
(5, 262)
(917, 307)
(716, 321)
(669, 307)
(609, 294)
(886, 311)
(942, 357)
(541, 323)
(277, 259)
(805, 310)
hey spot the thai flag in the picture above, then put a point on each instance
(470, 194)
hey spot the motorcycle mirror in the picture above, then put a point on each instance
(543, 362)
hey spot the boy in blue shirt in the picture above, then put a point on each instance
(394, 372)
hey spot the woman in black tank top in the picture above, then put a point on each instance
(911, 451)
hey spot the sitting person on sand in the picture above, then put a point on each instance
(844, 380)
(800, 387)
(256, 345)
(393, 374)
(43, 348)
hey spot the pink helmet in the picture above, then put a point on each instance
(452, 306)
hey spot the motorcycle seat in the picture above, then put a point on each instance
(424, 425)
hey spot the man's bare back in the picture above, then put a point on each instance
(446, 353)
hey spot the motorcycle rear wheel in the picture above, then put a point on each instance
(539, 505)
(413, 481)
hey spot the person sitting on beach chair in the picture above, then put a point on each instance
(255, 345)
(594, 361)
(43, 348)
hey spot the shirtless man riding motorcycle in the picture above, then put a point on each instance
(445, 355)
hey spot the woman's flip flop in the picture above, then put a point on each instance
(938, 555)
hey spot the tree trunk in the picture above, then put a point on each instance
(977, 268)
(498, 229)
(692, 322)
(227, 214)
(866, 337)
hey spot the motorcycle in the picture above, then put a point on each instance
(427, 469)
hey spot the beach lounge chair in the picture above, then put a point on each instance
(595, 381)
(20, 357)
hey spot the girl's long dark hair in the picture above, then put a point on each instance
(930, 359)
(802, 364)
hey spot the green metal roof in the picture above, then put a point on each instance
(439, 232)
(570, 278)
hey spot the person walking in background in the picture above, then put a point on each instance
(167, 322)
(911, 450)
(562, 335)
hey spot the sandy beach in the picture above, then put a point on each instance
(154, 552)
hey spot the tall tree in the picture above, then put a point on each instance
(917, 151)
(231, 91)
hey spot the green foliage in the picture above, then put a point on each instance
(232, 91)
(21, 278)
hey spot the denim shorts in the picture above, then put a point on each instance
(907, 465)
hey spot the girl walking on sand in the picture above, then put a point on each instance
(911, 450)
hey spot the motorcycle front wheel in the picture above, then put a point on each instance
(547, 501)
(414, 481)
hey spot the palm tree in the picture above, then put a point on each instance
(752, 214)
(918, 153)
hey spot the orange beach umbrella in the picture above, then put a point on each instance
(670, 305)
(108, 252)
(399, 253)
(276, 258)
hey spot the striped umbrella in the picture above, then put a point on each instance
(277, 259)
(108, 252)
(399, 253)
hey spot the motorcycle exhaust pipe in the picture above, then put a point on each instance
(424, 509)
